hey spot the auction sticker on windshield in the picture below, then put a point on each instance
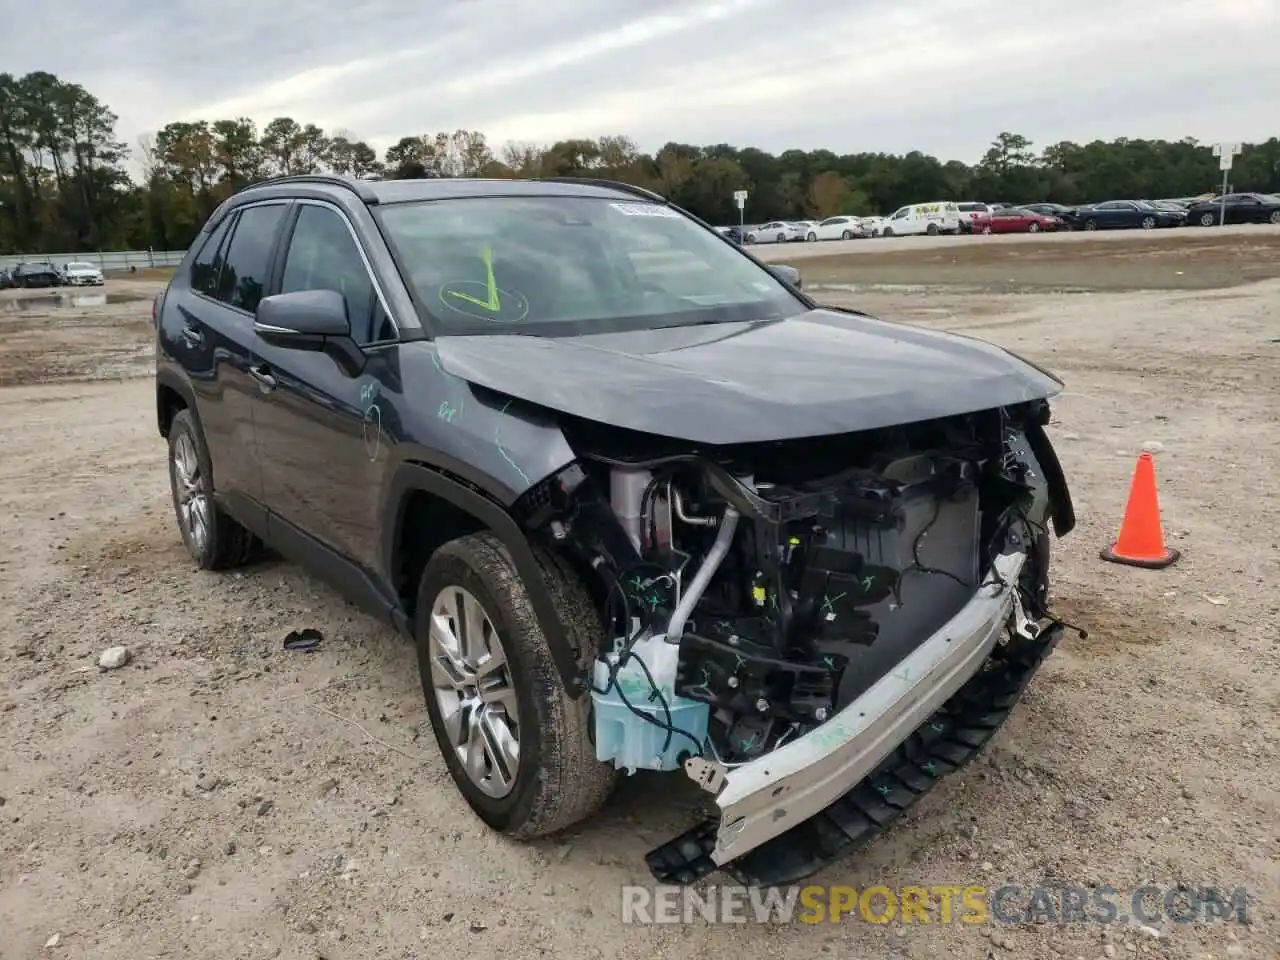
(645, 210)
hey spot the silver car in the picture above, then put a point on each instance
(776, 231)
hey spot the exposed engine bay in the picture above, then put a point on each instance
(751, 593)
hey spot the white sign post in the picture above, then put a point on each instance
(1226, 153)
(740, 198)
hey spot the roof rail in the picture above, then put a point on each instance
(612, 184)
(360, 188)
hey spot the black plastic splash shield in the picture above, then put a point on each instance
(945, 742)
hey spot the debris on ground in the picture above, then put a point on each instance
(113, 658)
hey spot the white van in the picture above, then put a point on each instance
(931, 218)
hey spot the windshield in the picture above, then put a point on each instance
(563, 266)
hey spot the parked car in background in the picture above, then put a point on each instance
(919, 218)
(969, 210)
(837, 228)
(79, 273)
(1059, 210)
(1237, 208)
(1022, 220)
(36, 275)
(1176, 206)
(1124, 214)
(776, 231)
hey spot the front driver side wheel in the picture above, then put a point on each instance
(519, 750)
(212, 537)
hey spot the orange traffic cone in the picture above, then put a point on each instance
(1141, 541)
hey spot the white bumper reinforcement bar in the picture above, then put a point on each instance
(766, 797)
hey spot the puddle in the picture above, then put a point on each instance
(74, 301)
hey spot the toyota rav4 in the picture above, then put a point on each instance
(639, 501)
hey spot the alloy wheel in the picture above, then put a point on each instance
(194, 507)
(474, 690)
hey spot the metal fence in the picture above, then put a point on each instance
(104, 260)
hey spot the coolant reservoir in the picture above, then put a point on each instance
(631, 742)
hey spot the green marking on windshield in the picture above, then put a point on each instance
(493, 304)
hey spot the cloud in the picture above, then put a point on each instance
(942, 76)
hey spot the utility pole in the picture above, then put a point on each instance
(1226, 153)
(740, 198)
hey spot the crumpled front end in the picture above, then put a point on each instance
(786, 618)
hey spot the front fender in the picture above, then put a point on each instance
(411, 477)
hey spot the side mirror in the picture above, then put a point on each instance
(788, 274)
(314, 320)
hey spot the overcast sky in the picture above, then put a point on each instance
(943, 76)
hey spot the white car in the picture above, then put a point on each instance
(80, 274)
(872, 226)
(836, 228)
(776, 231)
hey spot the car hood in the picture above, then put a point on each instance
(821, 373)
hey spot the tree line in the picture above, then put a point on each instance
(64, 184)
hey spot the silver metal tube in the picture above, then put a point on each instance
(715, 556)
(678, 501)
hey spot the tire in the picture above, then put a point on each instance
(782, 238)
(1148, 223)
(1207, 219)
(1091, 224)
(812, 237)
(749, 238)
(1033, 228)
(888, 232)
(1274, 218)
(557, 779)
(986, 229)
(931, 230)
(214, 540)
(846, 235)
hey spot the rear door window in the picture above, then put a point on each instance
(247, 266)
(208, 262)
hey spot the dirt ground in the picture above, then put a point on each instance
(221, 797)
(1186, 259)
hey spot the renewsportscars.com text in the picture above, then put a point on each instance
(937, 904)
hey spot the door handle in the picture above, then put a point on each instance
(266, 382)
(192, 336)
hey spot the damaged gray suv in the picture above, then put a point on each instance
(639, 501)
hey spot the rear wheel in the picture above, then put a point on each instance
(518, 749)
(1148, 223)
(214, 540)
(1033, 228)
(1091, 224)
(1275, 217)
(846, 235)
(781, 238)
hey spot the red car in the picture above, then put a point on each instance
(1013, 220)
